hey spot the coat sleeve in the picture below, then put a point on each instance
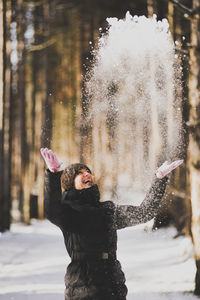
(128, 215)
(52, 197)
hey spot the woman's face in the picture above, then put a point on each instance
(83, 180)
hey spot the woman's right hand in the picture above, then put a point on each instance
(50, 159)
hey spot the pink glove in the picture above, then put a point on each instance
(167, 167)
(50, 159)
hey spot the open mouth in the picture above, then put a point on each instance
(87, 181)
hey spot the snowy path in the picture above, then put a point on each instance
(33, 262)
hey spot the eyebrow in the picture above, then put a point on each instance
(83, 170)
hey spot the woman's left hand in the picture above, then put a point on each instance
(167, 167)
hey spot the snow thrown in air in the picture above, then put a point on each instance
(134, 96)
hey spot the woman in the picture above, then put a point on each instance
(89, 227)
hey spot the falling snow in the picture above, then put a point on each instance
(134, 87)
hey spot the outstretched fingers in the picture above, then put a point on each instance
(50, 155)
(43, 152)
(175, 164)
(47, 154)
(167, 167)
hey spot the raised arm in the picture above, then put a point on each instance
(52, 188)
(128, 215)
(69, 216)
(52, 197)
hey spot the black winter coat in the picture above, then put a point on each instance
(89, 229)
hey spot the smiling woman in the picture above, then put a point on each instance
(83, 180)
(78, 176)
(90, 227)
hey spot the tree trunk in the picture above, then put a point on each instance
(2, 24)
(151, 7)
(5, 131)
(194, 140)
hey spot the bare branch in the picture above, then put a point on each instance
(42, 46)
(185, 9)
(186, 52)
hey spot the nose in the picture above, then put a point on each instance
(85, 173)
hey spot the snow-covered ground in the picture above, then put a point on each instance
(33, 261)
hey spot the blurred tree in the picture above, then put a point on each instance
(19, 152)
(194, 137)
(5, 107)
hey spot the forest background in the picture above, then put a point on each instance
(44, 54)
